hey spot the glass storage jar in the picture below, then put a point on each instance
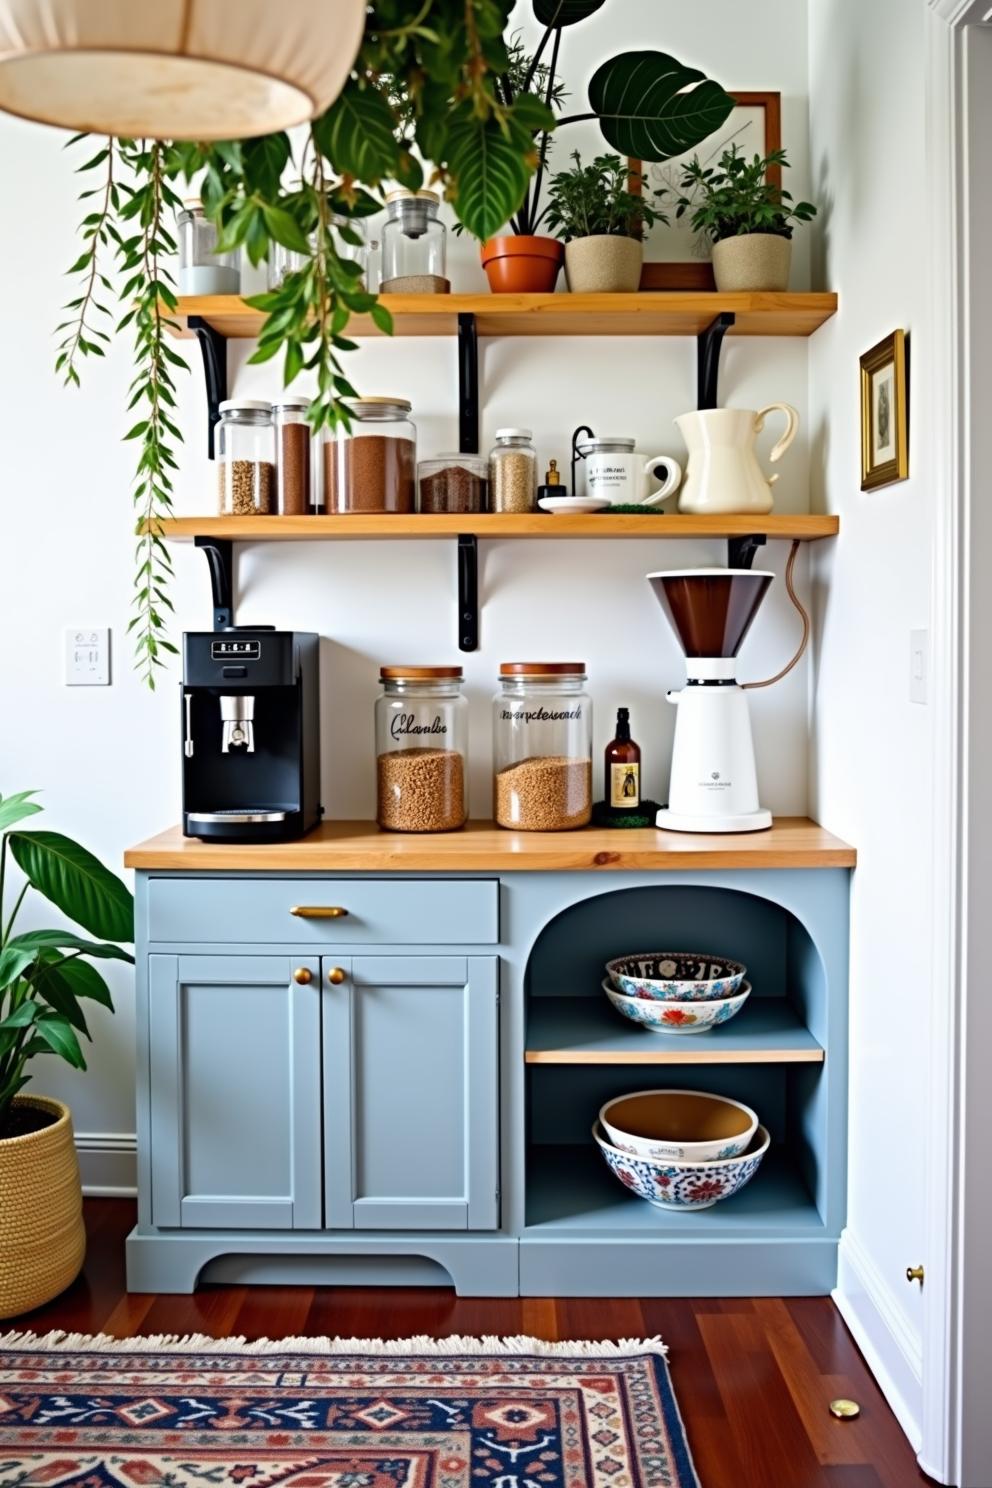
(453, 483)
(372, 467)
(413, 245)
(283, 261)
(542, 746)
(421, 745)
(245, 456)
(513, 471)
(202, 270)
(292, 446)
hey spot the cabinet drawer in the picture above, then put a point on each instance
(379, 911)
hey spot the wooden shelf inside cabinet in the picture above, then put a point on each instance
(586, 1030)
(667, 313)
(492, 525)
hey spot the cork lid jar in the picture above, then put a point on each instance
(421, 744)
(542, 746)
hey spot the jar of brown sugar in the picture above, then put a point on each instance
(245, 458)
(421, 743)
(292, 441)
(542, 746)
(372, 467)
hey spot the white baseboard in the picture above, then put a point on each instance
(891, 1348)
(108, 1163)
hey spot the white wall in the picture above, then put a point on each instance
(108, 758)
(870, 757)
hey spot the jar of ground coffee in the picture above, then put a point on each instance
(292, 431)
(421, 743)
(542, 745)
(372, 467)
(454, 483)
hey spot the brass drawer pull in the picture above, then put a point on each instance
(318, 911)
(303, 975)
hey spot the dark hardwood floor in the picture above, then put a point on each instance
(753, 1376)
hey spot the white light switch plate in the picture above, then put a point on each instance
(87, 656)
(919, 665)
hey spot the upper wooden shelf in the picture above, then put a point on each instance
(494, 524)
(666, 313)
(357, 846)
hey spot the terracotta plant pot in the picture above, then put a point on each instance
(522, 265)
(603, 264)
(753, 261)
(42, 1239)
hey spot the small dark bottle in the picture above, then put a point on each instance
(623, 767)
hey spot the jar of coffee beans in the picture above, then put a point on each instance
(372, 467)
(542, 746)
(421, 744)
(245, 458)
(513, 471)
(292, 442)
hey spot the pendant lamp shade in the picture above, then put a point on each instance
(176, 69)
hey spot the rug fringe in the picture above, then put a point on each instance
(196, 1343)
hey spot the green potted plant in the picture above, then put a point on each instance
(748, 218)
(601, 222)
(647, 104)
(45, 977)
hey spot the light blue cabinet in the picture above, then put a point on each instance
(411, 1094)
(234, 1089)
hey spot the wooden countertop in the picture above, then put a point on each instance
(481, 847)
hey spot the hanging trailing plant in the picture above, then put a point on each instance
(434, 80)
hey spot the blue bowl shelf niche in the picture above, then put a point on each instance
(784, 1054)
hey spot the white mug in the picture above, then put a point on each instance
(617, 473)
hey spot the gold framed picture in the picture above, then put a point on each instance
(884, 413)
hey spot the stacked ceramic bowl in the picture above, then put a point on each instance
(676, 991)
(680, 1149)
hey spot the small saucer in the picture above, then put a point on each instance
(561, 504)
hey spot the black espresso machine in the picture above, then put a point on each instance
(251, 734)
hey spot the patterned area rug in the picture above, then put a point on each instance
(79, 1412)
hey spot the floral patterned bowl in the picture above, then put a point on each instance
(681, 976)
(683, 1185)
(679, 1125)
(678, 1017)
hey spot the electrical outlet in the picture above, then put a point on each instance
(87, 656)
(919, 665)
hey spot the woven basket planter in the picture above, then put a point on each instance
(42, 1239)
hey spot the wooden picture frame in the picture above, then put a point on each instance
(884, 413)
(697, 274)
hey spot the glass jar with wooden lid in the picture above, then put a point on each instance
(372, 467)
(542, 746)
(421, 747)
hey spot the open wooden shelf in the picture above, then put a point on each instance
(586, 1030)
(494, 524)
(666, 313)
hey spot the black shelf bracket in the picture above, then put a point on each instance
(708, 344)
(219, 553)
(213, 348)
(741, 550)
(468, 592)
(468, 385)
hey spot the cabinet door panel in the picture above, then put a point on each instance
(411, 1092)
(235, 1092)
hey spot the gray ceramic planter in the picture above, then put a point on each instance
(753, 261)
(603, 264)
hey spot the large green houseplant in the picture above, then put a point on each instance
(434, 80)
(46, 977)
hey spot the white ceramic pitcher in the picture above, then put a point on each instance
(723, 474)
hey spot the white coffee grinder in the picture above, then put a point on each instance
(714, 786)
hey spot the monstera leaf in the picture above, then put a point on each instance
(565, 12)
(651, 106)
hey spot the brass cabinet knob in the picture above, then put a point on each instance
(914, 1273)
(303, 975)
(318, 911)
(336, 975)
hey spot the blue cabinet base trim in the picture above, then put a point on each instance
(689, 1268)
(475, 1266)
